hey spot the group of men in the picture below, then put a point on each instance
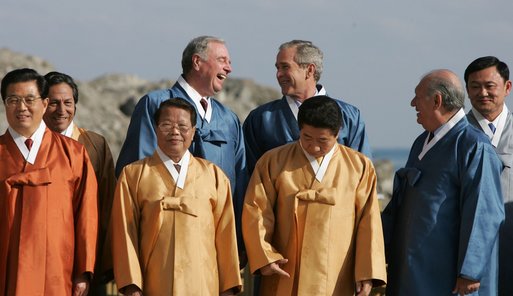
(292, 191)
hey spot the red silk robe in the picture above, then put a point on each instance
(48, 216)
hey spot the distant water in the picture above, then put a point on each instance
(398, 156)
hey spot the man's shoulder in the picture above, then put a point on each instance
(274, 106)
(347, 108)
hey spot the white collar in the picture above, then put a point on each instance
(179, 178)
(319, 169)
(294, 104)
(441, 131)
(499, 124)
(68, 132)
(196, 98)
(37, 138)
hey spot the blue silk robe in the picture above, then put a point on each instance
(220, 141)
(273, 124)
(444, 216)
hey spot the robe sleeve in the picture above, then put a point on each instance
(225, 237)
(258, 218)
(85, 207)
(125, 233)
(106, 188)
(482, 210)
(370, 253)
(241, 183)
(253, 149)
(141, 139)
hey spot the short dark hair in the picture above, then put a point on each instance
(53, 78)
(320, 112)
(487, 62)
(177, 103)
(24, 75)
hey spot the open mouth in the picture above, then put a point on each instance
(221, 76)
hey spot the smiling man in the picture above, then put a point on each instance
(48, 202)
(59, 115)
(488, 85)
(311, 219)
(173, 221)
(299, 66)
(205, 64)
(442, 224)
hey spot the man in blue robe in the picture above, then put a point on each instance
(488, 85)
(441, 226)
(206, 64)
(298, 70)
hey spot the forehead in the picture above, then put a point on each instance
(21, 88)
(173, 113)
(286, 54)
(60, 88)
(217, 49)
(486, 74)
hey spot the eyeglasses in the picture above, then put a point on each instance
(167, 127)
(13, 101)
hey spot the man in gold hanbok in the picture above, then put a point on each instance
(173, 220)
(311, 220)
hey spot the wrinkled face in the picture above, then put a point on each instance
(292, 78)
(317, 141)
(425, 106)
(174, 132)
(22, 118)
(487, 91)
(215, 69)
(61, 107)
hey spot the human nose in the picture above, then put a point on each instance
(412, 102)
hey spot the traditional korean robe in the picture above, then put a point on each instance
(220, 141)
(444, 216)
(48, 216)
(505, 151)
(101, 158)
(330, 231)
(273, 124)
(172, 241)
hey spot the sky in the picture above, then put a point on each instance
(375, 52)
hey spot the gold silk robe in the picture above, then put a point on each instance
(172, 241)
(101, 158)
(330, 231)
(48, 216)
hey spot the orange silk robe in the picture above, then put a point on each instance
(101, 158)
(170, 241)
(48, 217)
(330, 231)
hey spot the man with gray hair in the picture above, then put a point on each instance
(298, 70)
(205, 64)
(441, 226)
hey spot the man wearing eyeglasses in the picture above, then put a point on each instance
(172, 217)
(48, 204)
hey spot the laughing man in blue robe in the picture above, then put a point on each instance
(298, 69)
(219, 138)
(441, 226)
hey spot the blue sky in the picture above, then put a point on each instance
(374, 51)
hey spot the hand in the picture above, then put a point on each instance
(363, 288)
(465, 286)
(131, 290)
(274, 268)
(80, 285)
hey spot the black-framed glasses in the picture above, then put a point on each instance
(13, 101)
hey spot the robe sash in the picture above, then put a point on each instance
(202, 135)
(32, 242)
